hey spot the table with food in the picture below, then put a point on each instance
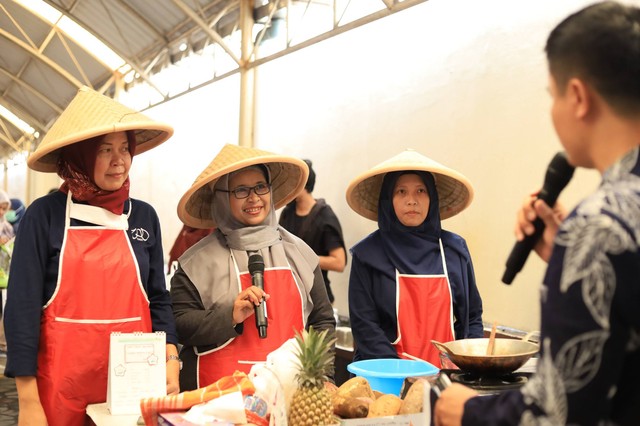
(293, 387)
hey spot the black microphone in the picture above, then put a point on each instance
(559, 173)
(256, 269)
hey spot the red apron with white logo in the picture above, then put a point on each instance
(425, 312)
(99, 291)
(284, 315)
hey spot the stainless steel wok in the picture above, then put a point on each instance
(470, 355)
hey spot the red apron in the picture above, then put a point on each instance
(284, 315)
(99, 291)
(424, 310)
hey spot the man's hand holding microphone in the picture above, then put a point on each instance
(531, 209)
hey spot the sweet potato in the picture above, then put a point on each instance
(350, 407)
(330, 387)
(355, 387)
(412, 402)
(386, 405)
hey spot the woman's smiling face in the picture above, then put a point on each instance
(254, 209)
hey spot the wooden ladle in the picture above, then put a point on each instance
(492, 339)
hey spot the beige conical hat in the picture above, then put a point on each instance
(454, 189)
(91, 114)
(288, 177)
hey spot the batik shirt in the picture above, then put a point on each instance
(589, 362)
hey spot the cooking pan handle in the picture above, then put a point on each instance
(443, 348)
(527, 337)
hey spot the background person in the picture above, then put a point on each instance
(314, 221)
(410, 271)
(187, 237)
(6, 229)
(15, 213)
(6, 236)
(212, 292)
(590, 324)
(87, 262)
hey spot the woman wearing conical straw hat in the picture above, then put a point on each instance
(411, 281)
(88, 262)
(212, 292)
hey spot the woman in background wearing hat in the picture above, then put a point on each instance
(411, 281)
(87, 262)
(212, 292)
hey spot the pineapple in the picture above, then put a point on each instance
(311, 404)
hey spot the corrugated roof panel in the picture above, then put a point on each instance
(30, 103)
(12, 57)
(62, 3)
(50, 83)
(113, 24)
(164, 16)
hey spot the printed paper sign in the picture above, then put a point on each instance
(137, 369)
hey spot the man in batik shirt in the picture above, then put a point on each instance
(589, 362)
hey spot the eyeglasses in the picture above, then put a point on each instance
(244, 191)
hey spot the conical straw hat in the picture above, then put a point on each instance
(91, 114)
(454, 189)
(288, 177)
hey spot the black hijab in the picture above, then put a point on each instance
(411, 249)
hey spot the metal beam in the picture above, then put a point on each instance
(38, 55)
(6, 137)
(211, 33)
(247, 77)
(338, 30)
(23, 115)
(73, 58)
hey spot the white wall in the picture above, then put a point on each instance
(462, 81)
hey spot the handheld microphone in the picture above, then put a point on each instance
(256, 269)
(559, 173)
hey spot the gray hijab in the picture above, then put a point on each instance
(214, 263)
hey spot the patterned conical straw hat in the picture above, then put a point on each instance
(454, 189)
(288, 177)
(91, 114)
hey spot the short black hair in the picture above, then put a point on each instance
(600, 45)
(311, 180)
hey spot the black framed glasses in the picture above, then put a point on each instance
(242, 192)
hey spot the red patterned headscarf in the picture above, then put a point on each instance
(76, 167)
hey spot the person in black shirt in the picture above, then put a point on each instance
(314, 221)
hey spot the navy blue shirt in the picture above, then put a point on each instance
(34, 274)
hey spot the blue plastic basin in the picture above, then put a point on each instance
(387, 375)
